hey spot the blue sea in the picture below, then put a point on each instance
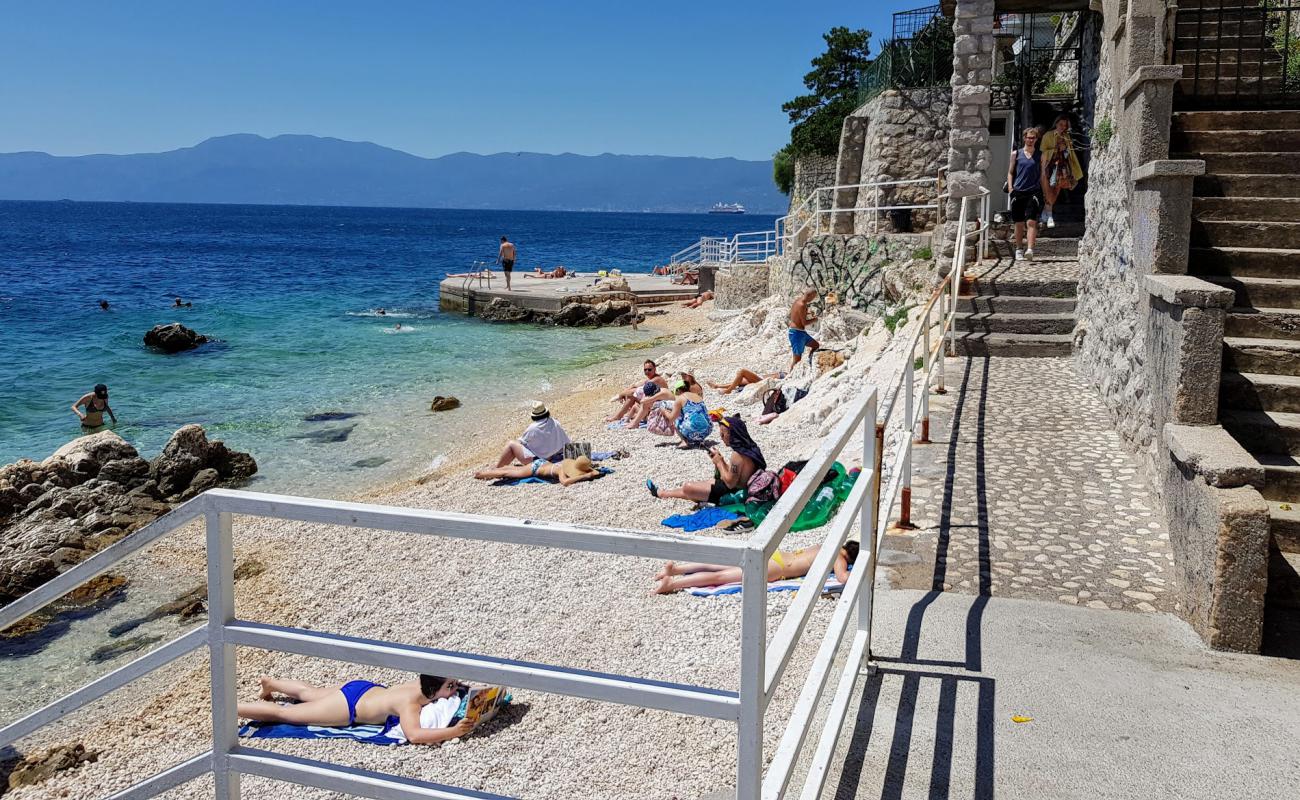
(292, 294)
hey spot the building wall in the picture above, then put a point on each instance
(907, 139)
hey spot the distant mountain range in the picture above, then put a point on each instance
(311, 170)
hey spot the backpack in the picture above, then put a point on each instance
(764, 486)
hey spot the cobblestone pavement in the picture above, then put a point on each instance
(1045, 270)
(1029, 494)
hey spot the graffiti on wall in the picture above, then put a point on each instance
(848, 267)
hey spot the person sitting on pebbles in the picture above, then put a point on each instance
(361, 703)
(652, 400)
(543, 439)
(566, 473)
(730, 476)
(783, 565)
(634, 394)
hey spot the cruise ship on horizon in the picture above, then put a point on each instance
(727, 208)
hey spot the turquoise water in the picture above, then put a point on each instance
(291, 293)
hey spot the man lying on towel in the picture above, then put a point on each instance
(363, 703)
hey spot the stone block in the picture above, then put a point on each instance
(1184, 359)
(1148, 98)
(1214, 454)
(1187, 290)
(1160, 214)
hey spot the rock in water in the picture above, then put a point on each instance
(174, 338)
(441, 403)
(329, 416)
(114, 649)
(502, 310)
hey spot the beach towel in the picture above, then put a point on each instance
(704, 518)
(832, 586)
(369, 734)
(521, 481)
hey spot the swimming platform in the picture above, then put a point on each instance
(549, 295)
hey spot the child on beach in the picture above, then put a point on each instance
(782, 566)
(359, 703)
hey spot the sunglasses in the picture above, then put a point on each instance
(647, 369)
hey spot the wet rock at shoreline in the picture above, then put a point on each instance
(371, 462)
(441, 403)
(588, 311)
(94, 491)
(334, 435)
(502, 310)
(190, 604)
(174, 338)
(38, 767)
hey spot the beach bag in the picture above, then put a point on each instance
(793, 394)
(774, 402)
(764, 486)
(577, 449)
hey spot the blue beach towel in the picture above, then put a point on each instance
(832, 586)
(704, 518)
(369, 734)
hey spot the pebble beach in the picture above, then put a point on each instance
(580, 610)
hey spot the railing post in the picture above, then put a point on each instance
(905, 495)
(221, 656)
(753, 648)
(944, 327)
(925, 378)
(873, 448)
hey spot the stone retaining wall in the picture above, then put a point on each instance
(740, 285)
(865, 273)
(906, 139)
(811, 173)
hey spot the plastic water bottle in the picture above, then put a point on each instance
(821, 505)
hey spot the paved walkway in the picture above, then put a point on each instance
(1122, 705)
(1027, 492)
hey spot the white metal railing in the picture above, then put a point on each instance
(763, 662)
(813, 216)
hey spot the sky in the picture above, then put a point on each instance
(704, 78)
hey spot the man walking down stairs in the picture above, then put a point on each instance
(1246, 237)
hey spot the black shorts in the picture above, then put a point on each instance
(717, 490)
(1026, 206)
(507, 264)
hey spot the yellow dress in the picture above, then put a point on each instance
(1051, 143)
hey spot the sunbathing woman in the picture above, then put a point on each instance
(358, 703)
(650, 401)
(635, 393)
(744, 377)
(566, 473)
(729, 476)
(782, 566)
(699, 300)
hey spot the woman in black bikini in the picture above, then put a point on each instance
(96, 403)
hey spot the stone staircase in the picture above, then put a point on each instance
(1246, 236)
(1023, 309)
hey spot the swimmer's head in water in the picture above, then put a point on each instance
(101, 391)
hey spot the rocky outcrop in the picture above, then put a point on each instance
(580, 312)
(92, 492)
(38, 767)
(174, 338)
(441, 403)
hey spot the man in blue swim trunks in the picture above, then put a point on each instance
(358, 703)
(799, 319)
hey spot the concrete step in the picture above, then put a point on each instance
(1245, 163)
(1244, 262)
(1044, 247)
(1275, 432)
(1012, 345)
(1246, 87)
(994, 304)
(1256, 391)
(1211, 25)
(1281, 478)
(1261, 209)
(1227, 40)
(1001, 322)
(1235, 141)
(1261, 356)
(1236, 120)
(1284, 524)
(1263, 323)
(1283, 579)
(1245, 233)
(1261, 292)
(1246, 68)
(1002, 286)
(1245, 186)
(1186, 54)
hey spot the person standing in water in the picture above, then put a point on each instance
(96, 403)
(1026, 177)
(506, 258)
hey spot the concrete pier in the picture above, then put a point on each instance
(549, 295)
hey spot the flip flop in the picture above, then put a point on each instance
(654, 490)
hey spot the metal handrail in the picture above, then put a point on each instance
(763, 663)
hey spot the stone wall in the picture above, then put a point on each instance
(862, 272)
(906, 139)
(811, 173)
(972, 94)
(740, 285)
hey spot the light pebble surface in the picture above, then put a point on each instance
(574, 609)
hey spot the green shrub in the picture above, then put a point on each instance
(783, 169)
(898, 316)
(923, 254)
(1103, 132)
